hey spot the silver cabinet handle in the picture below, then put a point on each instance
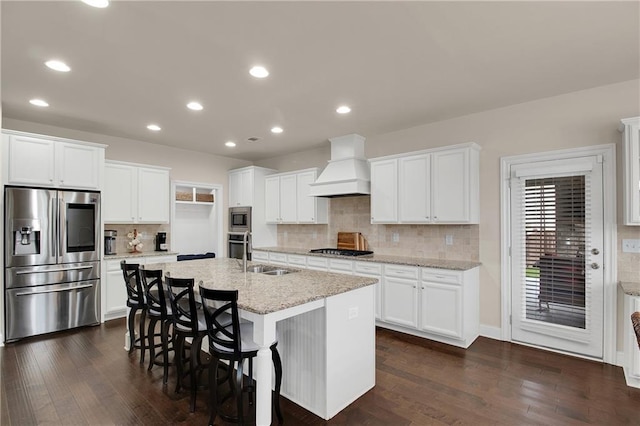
(79, 287)
(77, 268)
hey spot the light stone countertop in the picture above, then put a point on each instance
(455, 265)
(630, 288)
(143, 254)
(260, 293)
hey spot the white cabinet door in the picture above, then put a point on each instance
(119, 194)
(372, 270)
(400, 305)
(414, 194)
(384, 191)
(631, 170)
(310, 209)
(288, 199)
(246, 188)
(441, 309)
(450, 186)
(78, 166)
(31, 161)
(272, 199)
(235, 189)
(153, 195)
(115, 291)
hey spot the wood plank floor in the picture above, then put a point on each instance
(85, 377)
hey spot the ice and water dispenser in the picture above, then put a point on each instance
(26, 237)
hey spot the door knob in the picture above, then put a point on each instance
(595, 251)
(594, 265)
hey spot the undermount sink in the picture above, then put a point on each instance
(269, 270)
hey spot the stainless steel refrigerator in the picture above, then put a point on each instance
(52, 260)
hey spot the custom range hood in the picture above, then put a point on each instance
(347, 173)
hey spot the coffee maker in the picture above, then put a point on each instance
(161, 241)
(110, 241)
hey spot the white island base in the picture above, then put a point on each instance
(328, 354)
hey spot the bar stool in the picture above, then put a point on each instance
(234, 344)
(188, 322)
(136, 302)
(158, 310)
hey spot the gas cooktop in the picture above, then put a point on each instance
(341, 252)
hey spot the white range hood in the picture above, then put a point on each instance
(347, 173)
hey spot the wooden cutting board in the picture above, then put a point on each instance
(351, 241)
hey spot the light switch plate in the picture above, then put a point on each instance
(448, 240)
(395, 237)
(631, 246)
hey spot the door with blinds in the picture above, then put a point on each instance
(556, 255)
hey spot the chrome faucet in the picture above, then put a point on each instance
(245, 249)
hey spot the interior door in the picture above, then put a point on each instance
(556, 255)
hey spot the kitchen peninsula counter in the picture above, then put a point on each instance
(455, 265)
(120, 256)
(324, 323)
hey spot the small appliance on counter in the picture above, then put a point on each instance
(110, 241)
(161, 241)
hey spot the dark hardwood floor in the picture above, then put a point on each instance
(85, 377)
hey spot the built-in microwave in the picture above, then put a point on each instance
(239, 219)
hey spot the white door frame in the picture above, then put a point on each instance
(608, 153)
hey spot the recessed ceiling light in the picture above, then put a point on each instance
(230, 144)
(38, 102)
(154, 127)
(97, 3)
(196, 106)
(343, 109)
(259, 72)
(276, 129)
(56, 65)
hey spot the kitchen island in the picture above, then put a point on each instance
(325, 326)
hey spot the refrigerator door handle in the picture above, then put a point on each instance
(53, 226)
(61, 227)
(57, 290)
(78, 268)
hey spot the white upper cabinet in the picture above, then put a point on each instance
(136, 194)
(287, 199)
(384, 191)
(241, 186)
(630, 128)
(430, 187)
(39, 161)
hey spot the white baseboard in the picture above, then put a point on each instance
(620, 359)
(490, 332)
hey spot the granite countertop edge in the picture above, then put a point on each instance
(143, 254)
(456, 265)
(630, 288)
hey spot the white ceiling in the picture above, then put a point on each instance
(397, 64)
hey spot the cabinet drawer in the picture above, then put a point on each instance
(317, 263)
(112, 265)
(260, 256)
(297, 260)
(339, 265)
(368, 268)
(409, 273)
(441, 276)
(278, 258)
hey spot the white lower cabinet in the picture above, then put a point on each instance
(115, 291)
(400, 295)
(372, 270)
(438, 304)
(631, 363)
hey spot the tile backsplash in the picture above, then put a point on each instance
(628, 263)
(146, 234)
(353, 214)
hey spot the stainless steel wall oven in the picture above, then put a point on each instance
(52, 260)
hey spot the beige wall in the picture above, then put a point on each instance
(578, 119)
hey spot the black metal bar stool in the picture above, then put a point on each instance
(233, 343)
(158, 310)
(136, 302)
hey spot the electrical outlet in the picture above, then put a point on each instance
(395, 237)
(315, 235)
(631, 246)
(353, 312)
(448, 240)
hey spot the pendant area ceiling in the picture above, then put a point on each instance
(396, 64)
